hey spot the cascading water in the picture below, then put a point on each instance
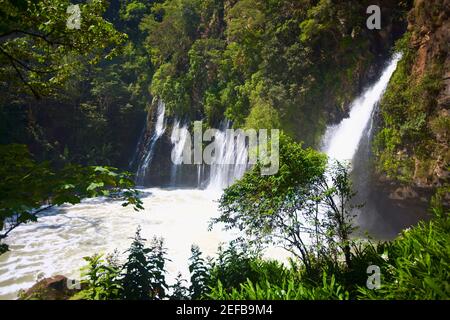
(341, 141)
(58, 241)
(178, 139)
(350, 140)
(230, 160)
(147, 157)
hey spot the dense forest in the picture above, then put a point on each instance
(76, 101)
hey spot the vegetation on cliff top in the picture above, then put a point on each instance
(301, 61)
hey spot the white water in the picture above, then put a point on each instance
(178, 138)
(230, 162)
(160, 127)
(341, 141)
(57, 243)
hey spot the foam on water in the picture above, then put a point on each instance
(57, 242)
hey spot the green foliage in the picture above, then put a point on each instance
(249, 60)
(238, 274)
(283, 208)
(140, 277)
(179, 290)
(199, 274)
(28, 188)
(136, 281)
(101, 280)
(233, 266)
(95, 115)
(263, 116)
(144, 271)
(417, 264)
(157, 266)
(409, 145)
(413, 266)
(38, 53)
(288, 290)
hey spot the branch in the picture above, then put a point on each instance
(40, 36)
(18, 223)
(35, 93)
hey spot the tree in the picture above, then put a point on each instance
(199, 273)
(136, 280)
(144, 270)
(28, 188)
(305, 207)
(39, 50)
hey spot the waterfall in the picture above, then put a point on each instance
(341, 141)
(350, 140)
(146, 159)
(178, 139)
(230, 159)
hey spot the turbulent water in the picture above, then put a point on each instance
(57, 243)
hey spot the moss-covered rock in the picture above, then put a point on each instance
(54, 288)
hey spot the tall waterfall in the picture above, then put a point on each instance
(341, 141)
(350, 140)
(146, 159)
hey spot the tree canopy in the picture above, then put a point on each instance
(39, 51)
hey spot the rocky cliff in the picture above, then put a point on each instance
(412, 145)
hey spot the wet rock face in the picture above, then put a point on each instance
(161, 171)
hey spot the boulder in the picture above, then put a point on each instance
(54, 288)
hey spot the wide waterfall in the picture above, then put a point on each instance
(229, 161)
(341, 141)
(58, 241)
(147, 157)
